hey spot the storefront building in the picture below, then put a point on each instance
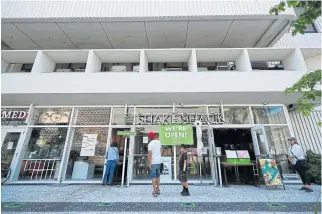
(67, 95)
(47, 146)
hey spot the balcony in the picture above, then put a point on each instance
(62, 61)
(221, 60)
(242, 85)
(17, 61)
(114, 61)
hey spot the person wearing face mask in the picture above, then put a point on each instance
(297, 158)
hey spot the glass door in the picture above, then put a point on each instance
(9, 152)
(260, 141)
(213, 159)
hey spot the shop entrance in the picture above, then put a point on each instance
(122, 143)
(236, 139)
(10, 145)
(199, 167)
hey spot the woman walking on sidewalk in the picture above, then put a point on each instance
(111, 156)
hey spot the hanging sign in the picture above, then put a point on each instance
(88, 145)
(176, 134)
(270, 172)
(126, 133)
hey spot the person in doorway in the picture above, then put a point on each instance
(297, 158)
(183, 161)
(111, 156)
(154, 157)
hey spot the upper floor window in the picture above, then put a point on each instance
(19, 67)
(216, 66)
(267, 65)
(171, 66)
(120, 67)
(70, 67)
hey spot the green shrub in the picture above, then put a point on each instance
(315, 162)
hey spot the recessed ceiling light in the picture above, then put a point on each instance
(206, 34)
(48, 37)
(127, 36)
(10, 37)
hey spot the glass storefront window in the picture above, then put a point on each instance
(91, 116)
(86, 156)
(277, 137)
(43, 155)
(268, 115)
(122, 116)
(237, 115)
(214, 109)
(194, 161)
(51, 116)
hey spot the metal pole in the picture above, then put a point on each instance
(219, 169)
(124, 157)
(200, 171)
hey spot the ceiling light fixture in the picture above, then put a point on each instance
(10, 37)
(48, 37)
(265, 104)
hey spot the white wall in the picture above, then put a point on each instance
(4, 66)
(313, 63)
(156, 82)
(43, 64)
(294, 61)
(307, 131)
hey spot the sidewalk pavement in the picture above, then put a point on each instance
(138, 199)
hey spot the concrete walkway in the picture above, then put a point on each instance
(138, 199)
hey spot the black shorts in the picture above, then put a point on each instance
(182, 176)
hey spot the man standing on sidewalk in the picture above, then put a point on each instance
(154, 157)
(183, 170)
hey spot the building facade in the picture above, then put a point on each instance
(74, 76)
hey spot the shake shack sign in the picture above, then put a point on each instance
(175, 118)
(13, 116)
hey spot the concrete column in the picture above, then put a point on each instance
(43, 64)
(295, 61)
(94, 63)
(192, 63)
(143, 62)
(243, 62)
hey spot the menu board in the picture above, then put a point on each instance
(231, 154)
(243, 154)
(270, 172)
